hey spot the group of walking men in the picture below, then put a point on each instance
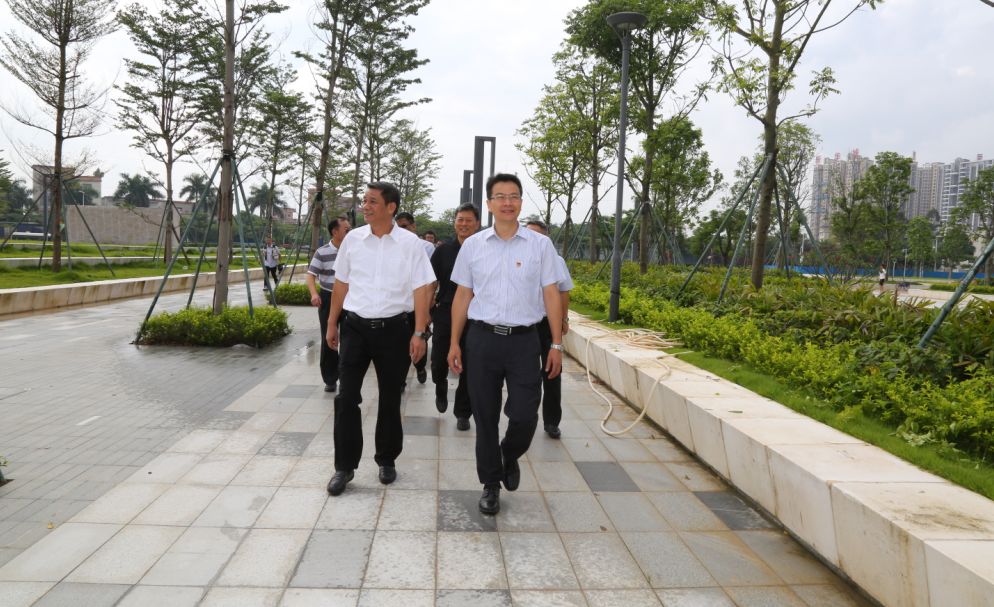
(498, 300)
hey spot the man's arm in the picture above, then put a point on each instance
(337, 302)
(419, 345)
(460, 309)
(554, 311)
(564, 298)
(315, 298)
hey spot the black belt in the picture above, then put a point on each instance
(376, 323)
(503, 329)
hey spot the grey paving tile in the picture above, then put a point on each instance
(416, 548)
(266, 557)
(162, 596)
(666, 560)
(694, 597)
(559, 476)
(477, 598)
(829, 595)
(52, 558)
(683, 511)
(298, 391)
(537, 561)
(548, 598)
(196, 557)
(287, 443)
(470, 561)
(733, 511)
(785, 556)
(126, 557)
(319, 597)
(695, 476)
(622, 598)
(356, 509)
(729, 560)
(23, 594)
(606, 476)
(632, 512)
(334, 559)
(652, 476)
(601, 560)
(577, 512)
(293, 508)
(241, 597)
(235, 507)
(523, 511)
(421, 426)
(772, 596)
(68, 594)
(377, 597)
(459, 511)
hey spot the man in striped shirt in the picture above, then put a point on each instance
(322, 271)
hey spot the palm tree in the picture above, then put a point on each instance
(194, 187)
(136, 190)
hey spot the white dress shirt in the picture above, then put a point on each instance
(506, 276)
(429, 248)
(382, 272)
(565, 280)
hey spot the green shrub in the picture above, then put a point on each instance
(293, 294)
(974, 287)
(200, 327)
(941, 394)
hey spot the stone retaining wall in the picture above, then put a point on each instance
(907, 537)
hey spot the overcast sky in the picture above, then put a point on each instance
(912, 77)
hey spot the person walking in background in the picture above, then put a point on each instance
(271, 261)
(322, 271)
(508, 280)
(431, 237)
(382, 286)
(406, 220)
(552, 390)
(467, 223)
(882, 277)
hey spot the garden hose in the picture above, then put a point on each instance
(639, 338)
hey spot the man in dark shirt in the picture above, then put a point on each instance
(467, 223)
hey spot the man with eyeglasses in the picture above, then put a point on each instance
(508, 281)
(322, 271)
(467, 223)
(382, 286)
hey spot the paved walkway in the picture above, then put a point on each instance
(223, 501)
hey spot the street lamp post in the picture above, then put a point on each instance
(622, 24)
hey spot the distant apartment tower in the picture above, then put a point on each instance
(956, 175)
(927, 180)
(831, 177)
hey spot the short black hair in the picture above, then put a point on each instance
(388, 190)
(469, 206)
(333, 224)
(405, 215)
(432, 232)
(503, 178)
(538, 223)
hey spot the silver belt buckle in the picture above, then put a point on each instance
(502, 330)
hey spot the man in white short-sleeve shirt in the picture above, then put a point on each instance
(508, 281)
(382, 283)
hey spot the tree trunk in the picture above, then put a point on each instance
(167, 230)
(322, 175)
(227, 161)
(56, 184)
(645, 222)
(594, 187)
(270, 203)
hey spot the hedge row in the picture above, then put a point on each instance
(974, 287)
(848, 375)
(200, 327)
(293, 294)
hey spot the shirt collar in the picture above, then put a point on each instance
(523, 233)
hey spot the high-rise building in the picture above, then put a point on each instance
(832, 177)
(926, 179)
(956, 175)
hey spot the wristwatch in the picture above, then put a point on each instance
(557, 347)
(423, 334)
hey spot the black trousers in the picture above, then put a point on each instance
(493, 360)
(552, 389)
(329, 356)
(441, 318)
(387, 347)
(274, 274)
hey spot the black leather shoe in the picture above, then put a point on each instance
(552, 431)
(338, 481)
(422, 375)
(441, 403)
(388, 474)
(490, 501)
(462, 423)
(512, 474)
(331, 387)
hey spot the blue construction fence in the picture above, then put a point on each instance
(898, 273)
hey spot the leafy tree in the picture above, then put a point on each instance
(920, 238)
(721, 251)
(851, 230)
(80, 193)
(194, 186)
(157, 103)
(885, 188)
(280, 128)
(541, 157)
(381, 73)
(661, 53)
(955, 245)
(338, 22)
(976, 209)
(136, 190)
(53, 71)
(758, 77)
(267, 203)
(412, 164)
(682, 176)
(6, 182)
(797, 147)
(18, 199)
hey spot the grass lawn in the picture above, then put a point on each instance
(13, 278)
(953, 466)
